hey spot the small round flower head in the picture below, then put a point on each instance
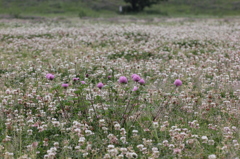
(50, 76)
(133, 75)
(75, 79)
(177, 151)
(100, 85)
(123, 79)
(83, 82)
(109, 77)
(141, 81)
(212, 156)
(136, 78)
(65, 85)
(135, 88)
(178, 82)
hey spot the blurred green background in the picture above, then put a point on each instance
(109, 8)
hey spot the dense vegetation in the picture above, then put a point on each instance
(108, 91)
(96, 8)
(139, 5)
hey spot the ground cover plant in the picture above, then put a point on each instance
(99, 90)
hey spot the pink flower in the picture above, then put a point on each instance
(65, 85)
(50, 76)
(100, 85)
(178, 82)
(136, 77)
(133, 75)
(83, 82)
(135, 88)
(123, 79)
(141, 81)
(75, 79)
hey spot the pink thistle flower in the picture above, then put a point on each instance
(75, 79)
(141, 81)
(133, 75)
(100, 85)
(65, 85)
(123, 79)
(50, 76)
(136, 77)
(178, 82)
(83, 82)
(135, 88)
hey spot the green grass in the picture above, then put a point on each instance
(195, 8)
(60, 8)
(104, 8)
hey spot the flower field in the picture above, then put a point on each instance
(85, 89)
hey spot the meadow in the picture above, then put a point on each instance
(166, 88)
(110, 8)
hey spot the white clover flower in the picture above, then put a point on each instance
(81, 140)
(120, 156)
(155, 124)
(140, 146)
(117, 126)
(123, 139)
(212, 156)
(107, 156)
(135, 131)
(210, 142)
(154, 149)
(88, 132)
(165, 142)
(111, 146)
(124, 150)
(85, 154)
(77, 147)
(205, 139)
(171, 146)
(113, 152)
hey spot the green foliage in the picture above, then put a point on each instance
(198, 8)
(82, 14)
(139, 5)
(190, 43)
(131, 55)
(96, 8)
(2, 71)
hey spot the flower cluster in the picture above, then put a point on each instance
(101, 90)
